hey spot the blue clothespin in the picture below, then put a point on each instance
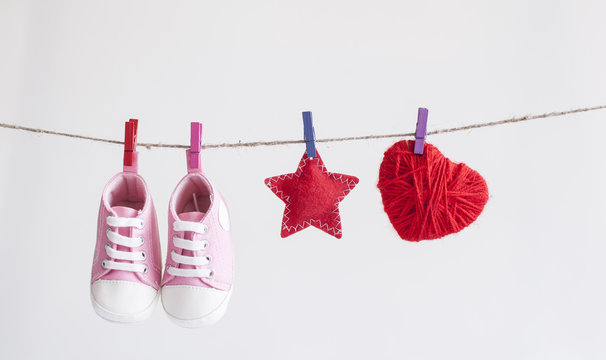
(421, 131)
(309, 134)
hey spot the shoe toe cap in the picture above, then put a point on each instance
(123, 297)
(186, 302)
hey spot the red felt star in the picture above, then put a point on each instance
(312, 196)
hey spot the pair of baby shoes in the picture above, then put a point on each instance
(126, 278)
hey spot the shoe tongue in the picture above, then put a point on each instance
(192, 216)
(123, 211)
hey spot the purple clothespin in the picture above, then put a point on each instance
(195, 145)
(421, 131)
(309, 134)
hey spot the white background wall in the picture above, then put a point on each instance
(525, 281)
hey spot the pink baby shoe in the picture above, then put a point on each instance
(127, 262)
(197, 282)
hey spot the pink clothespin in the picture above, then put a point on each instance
(131, 156)
(194, 161)
(421, 132)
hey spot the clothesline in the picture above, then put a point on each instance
(287, 142)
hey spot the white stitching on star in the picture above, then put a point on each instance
(335, 230)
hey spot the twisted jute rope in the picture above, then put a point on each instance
(288, 142)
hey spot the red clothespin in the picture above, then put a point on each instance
(130, 146)
(421, 132)
(194, 162)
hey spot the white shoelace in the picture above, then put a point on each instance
(190, 245)
(125, 241)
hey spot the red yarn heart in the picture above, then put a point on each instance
(428, 196)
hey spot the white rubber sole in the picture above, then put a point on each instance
(125, 318)
(207, 320)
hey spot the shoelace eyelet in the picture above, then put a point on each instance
(142, 240)
(145, 269)
(107, 232)
(143, 255)
(141, 225)
(103, 264)
(205, 245)
(209, 259)
(211, 274)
